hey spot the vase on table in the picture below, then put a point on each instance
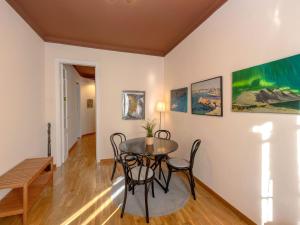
(149, 140)
(149, 127)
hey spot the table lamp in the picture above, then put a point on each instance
(160, 107)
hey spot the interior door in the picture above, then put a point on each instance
(78, 104)
(72, 110)
(71, 107)
(65, 113)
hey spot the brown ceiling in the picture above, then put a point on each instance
(152, 27)
(86, 71)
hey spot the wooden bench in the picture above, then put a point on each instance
(27, 180)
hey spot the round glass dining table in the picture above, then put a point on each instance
(159, 150)
(160, 147)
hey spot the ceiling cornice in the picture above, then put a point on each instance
(117, 48)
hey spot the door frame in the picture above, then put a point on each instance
(64, 108)
(78, 99)
(59, 124)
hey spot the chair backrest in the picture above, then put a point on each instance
(115, 140)
(163, 134)
(194, 150)
(135, 170)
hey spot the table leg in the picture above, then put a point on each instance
(158, 161)
(25, 204)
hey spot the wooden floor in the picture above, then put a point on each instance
(81, 196)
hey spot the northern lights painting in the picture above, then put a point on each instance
(268, 88)
(179, 100)
(207, 98)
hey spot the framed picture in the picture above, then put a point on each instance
(133, 103)
(89, 103)
(207, 97)
(179, 100)
(273, 87)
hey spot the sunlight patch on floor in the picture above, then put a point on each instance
(111, 215)
(92, 202)
(85, 207)
(94, 214)
(103, 206)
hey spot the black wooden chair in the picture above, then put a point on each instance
(137, 174)
(177, 164)
(162, 134)
(115, 140)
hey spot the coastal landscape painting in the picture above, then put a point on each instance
(179, 100)
(133, 105)
(268, 88)
(207, 97)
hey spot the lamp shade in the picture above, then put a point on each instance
(160, 107)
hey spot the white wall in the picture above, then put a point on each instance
(87, 115)
(241, 34)
(115, 71)
(23, 128)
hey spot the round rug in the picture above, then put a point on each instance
(162, 204)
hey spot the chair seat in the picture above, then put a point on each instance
(178, 163)
(128, 158)
(135, 173)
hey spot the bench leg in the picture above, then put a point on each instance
(25, 204)
(52, 172)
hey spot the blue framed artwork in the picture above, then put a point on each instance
(179, 100)
(207, 97)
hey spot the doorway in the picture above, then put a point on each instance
(78, 98)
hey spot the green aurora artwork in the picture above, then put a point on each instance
(268, 88)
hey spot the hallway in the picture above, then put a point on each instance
(81, 196)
